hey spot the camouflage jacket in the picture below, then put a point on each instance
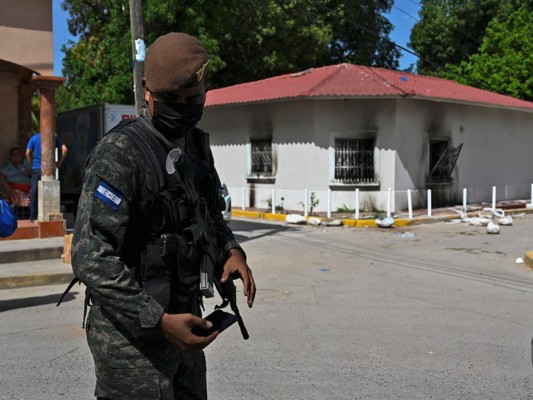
(118, 187)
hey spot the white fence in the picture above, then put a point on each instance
(355, 201)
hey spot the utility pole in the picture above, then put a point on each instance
(138, 50)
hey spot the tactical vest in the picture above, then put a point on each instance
(169, 264)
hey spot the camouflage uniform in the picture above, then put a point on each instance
(133, 359)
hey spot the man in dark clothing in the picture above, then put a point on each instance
(145, 299)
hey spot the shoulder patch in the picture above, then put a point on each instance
(108, 194)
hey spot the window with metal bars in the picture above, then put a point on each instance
(261, 157)
(354, 160)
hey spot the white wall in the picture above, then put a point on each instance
(301, 132)
(495, 149)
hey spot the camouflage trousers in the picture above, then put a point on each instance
(147, 368)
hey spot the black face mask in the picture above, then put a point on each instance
(175, 120)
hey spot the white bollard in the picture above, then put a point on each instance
(356, 203)
(243, 198)
(273, 201)
(494, 197)
(329, 203)
(306, 203)
(389, 201)
(409, 204)
(429, 202)
(464, 200)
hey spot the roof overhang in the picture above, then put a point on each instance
(368, 97)
(25, 73)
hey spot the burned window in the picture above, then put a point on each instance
(442, 159)
(261, 157)
(354, 160)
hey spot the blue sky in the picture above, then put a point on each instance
(400, 35)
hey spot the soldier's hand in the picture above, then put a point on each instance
(177, 328)
(236, 267)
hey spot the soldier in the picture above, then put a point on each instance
(143, 287)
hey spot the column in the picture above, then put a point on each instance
(49, 189)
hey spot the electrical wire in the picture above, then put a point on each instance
(376, 34)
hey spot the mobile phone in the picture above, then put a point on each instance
(221, 320)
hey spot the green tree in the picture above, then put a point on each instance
(504, 62)
(246, 40)
(98, 66)
(450, 31)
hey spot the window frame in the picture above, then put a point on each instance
(447, 158)
(333, 182)
(255, 176)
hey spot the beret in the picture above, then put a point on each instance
(172, 61)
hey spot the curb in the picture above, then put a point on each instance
(14, 282)
(35, 254)
(371, 223)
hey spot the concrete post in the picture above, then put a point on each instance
(48, 189)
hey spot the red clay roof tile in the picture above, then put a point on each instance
(347, 80)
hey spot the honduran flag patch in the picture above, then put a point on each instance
(108, 194)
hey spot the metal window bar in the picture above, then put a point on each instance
(354, 160)
(262, 157)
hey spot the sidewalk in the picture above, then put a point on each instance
(400, 218)
(34, 262)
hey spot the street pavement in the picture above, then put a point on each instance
(437, 311)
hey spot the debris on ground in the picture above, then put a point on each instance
(315, 221)
(497, 212)
(332, 222)
(506, 221)
(519, 260)
(296, 219)
(386, 222)
(405, 235)
(493, 228)
(477, 221)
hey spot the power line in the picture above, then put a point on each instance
(476, 41)
(376, 34)
(406, 13)
(370, 31)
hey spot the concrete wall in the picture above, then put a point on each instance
(26, 32)
(26, 37)
(495, 149)
(302, 134)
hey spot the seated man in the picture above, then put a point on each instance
(15, 179)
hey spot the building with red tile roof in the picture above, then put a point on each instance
(345, 127)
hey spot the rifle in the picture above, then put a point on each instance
(201, 233)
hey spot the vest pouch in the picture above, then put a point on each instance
(156, 275)
(188, 262)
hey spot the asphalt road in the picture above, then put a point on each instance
(340, 314)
